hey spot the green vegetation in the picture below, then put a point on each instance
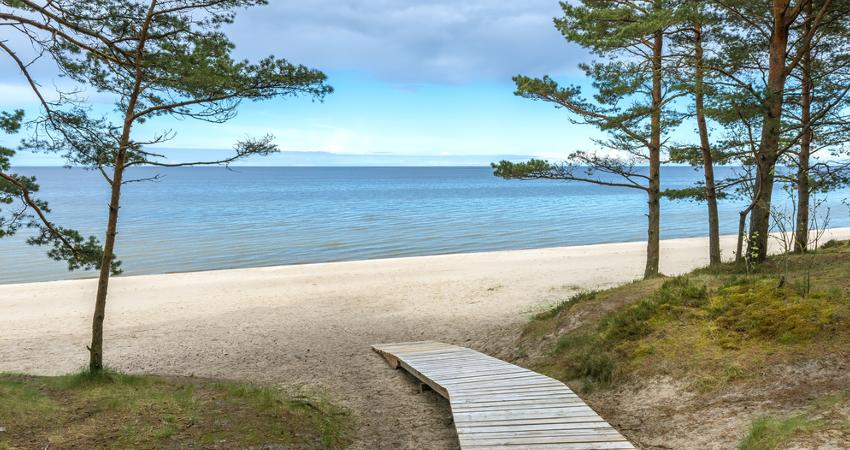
(708, 328)
(771, 339)
(764, 84)
(113, 410)
(769, 432)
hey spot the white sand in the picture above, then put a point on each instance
(312, 324)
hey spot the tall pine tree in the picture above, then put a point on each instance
(819, 120)
(632, 104)
(761, 48)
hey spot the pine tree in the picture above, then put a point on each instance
(690, 43)
(156, 58)
(632, 104)
(761, 50)
(818, 112)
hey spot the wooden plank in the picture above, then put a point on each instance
(575, 411)
(496, 404)
(509, 380)
(472, 369)
(527, 391)
(542, 439)
(514, 395)
(570, 435)
(559, 446)
(552, 399)
(476, 407)
(516, 420)
(578, 426)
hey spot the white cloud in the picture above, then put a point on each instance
(443, 41)
(440, 41)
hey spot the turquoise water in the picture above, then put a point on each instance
(212, 218)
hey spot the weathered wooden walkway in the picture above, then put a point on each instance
(496, 404)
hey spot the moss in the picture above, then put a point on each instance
(711, 327)
(762, 310)
(594, 355)
(639, 319)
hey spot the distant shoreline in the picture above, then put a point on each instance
(668, 245)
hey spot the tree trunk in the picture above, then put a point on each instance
(705, 148)
(801, 234)
(96, 347)
(654, 187)
(768, 151)
(742, 222)
(760, 215)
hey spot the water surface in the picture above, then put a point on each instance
(210, 218)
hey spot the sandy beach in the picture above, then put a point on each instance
(312, 325)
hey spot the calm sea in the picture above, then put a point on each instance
(212, 218)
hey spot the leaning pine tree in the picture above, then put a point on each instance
(156, 58)
(632, 103)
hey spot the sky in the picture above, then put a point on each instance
(416, 83)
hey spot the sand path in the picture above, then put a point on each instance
(312, 325)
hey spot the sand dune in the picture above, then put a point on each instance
(312, 325)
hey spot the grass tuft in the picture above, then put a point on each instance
(578, 298)
(769, 433)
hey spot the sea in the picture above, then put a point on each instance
(205, 218)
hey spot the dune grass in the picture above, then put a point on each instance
(711, 326)
(716, 328)
(114, 410)
(774, 432)
(768, 433)
(724, 330)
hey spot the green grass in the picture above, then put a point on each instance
(772, 432)
(709, 328)
(565, 305)
(116, 411)
(769, 433)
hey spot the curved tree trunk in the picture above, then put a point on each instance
(705, 149)
(96, 347)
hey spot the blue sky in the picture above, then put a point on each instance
(421, 82)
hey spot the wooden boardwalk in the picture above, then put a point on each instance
(496, 404)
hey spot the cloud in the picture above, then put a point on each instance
(434, 41)
(403, 42)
